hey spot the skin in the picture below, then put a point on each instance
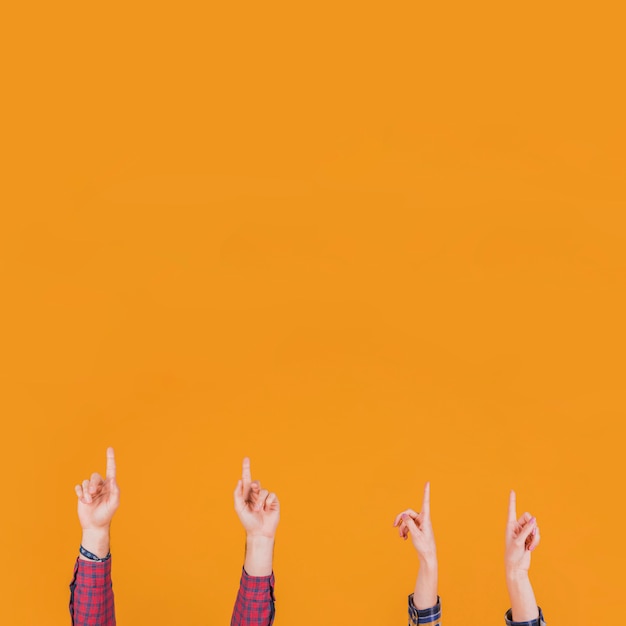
(418, 526)
(522, 537)
(259, 513)
(98, 500)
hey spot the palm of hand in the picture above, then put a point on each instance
(517, 553)
(522, 537)
(258, 518)
(98, 497)
(258, 509)
(418, 526)
(424, 540)
(99, 511)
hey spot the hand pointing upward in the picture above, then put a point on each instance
(99, 498)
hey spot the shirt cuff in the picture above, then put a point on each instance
(431, 615)
(508, 618)
(256, 587)
(93, 574)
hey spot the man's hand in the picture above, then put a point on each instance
(259, 512)
(522, 537)
(258, 509)
(98, 499)
(418, 526)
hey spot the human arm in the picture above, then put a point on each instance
(522, 537)
(424, 604)
(259, 513)
(91, 592)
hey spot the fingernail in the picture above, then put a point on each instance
(533, 520)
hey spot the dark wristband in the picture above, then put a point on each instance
(92, 557)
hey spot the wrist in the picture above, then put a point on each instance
(523, 602)
(97, 541)
(517, 576)
(429, 571)
(428, 560)
(259, 555)
(259, 537)
(259, 542)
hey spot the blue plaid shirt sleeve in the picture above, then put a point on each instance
(508, 618)
(255, 601)
(430, 616)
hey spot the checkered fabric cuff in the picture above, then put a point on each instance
(508, 618)
(93, 574)
(256, 587)
(424, 616)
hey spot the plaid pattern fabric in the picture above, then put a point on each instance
(91, 594)
(508, 618)
(425, 616)
(255, 601)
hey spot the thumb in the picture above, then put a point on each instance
(411, 525)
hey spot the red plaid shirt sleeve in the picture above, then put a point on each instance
(255, 601)
(91, 594)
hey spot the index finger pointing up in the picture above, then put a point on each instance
(110, 463)
(426, 501)
(512, 507)
(246, 477)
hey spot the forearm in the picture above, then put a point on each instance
(425, 594)
(523, 602)
(259, 555)
(91, 597)
(96, 541)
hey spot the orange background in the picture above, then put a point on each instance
(365, 244)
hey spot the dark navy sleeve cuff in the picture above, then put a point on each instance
(431, 615)
(539, 621)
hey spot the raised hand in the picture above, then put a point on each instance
(259, 512)
(258, 509)
(522, 537)
(98, 499)
(418, 526)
